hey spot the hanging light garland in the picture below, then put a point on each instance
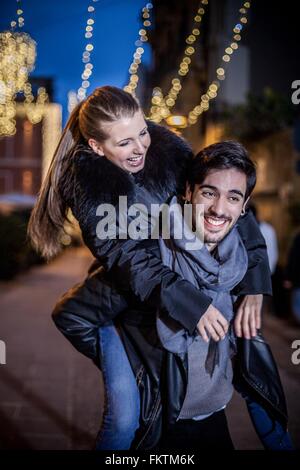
(143, 38)
(161, 105)
(86, 55)
(17, 59)
(213, 88)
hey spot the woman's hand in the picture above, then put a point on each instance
(248, 317)
(212, 323)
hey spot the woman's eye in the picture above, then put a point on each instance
(144, 132)
(123, 144)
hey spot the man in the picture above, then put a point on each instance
(185, 379)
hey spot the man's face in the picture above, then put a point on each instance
(222, 194)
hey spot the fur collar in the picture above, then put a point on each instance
(96, 179)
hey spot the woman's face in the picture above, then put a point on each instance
(127, 143)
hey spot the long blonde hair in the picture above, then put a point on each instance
(105, 104)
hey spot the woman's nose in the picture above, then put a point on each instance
(139, 146)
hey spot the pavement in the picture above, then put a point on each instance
(51, 397)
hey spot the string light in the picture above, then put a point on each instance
(18, 54)
(160, 109)
(213, 88)
(143, 38)
(86, 56)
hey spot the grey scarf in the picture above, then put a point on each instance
(216, 278)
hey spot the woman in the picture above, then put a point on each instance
(107, 150)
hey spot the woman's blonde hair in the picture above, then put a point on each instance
(105, 104)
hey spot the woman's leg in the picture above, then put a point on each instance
(122, 400)
(272, 435)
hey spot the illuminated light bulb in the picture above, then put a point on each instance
(189, 50)
(220, 71)
(226, 58)
(170, 102)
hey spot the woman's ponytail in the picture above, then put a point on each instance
(46, 223)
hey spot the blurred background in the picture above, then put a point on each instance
(209, 70)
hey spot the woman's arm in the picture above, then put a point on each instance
(136, 266)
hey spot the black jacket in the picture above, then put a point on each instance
(160, 375)
(135, 282)
(293, 265)
(90, 180)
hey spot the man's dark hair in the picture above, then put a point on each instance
(222, 156)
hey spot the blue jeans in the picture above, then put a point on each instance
(122, 399)
(272, 435)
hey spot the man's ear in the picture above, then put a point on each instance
(245, 205)
(188, 193)
(96, 147)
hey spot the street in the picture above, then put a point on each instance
(51, 396)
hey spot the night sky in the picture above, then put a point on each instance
(58, 27)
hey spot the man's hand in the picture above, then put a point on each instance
(248, 317)
(213, 323)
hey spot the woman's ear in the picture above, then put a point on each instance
(96, 147)
(188, 193)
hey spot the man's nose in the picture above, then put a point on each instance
(219, 206)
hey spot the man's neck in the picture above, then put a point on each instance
(211, 246)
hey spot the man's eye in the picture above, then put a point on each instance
(234, 199)
(208, 194)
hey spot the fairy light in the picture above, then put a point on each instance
(86, 55)
(137, 56)
(17, 59)
(213, 88)
(162, 109)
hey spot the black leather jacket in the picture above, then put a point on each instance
(136, 282)
(161, 376)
